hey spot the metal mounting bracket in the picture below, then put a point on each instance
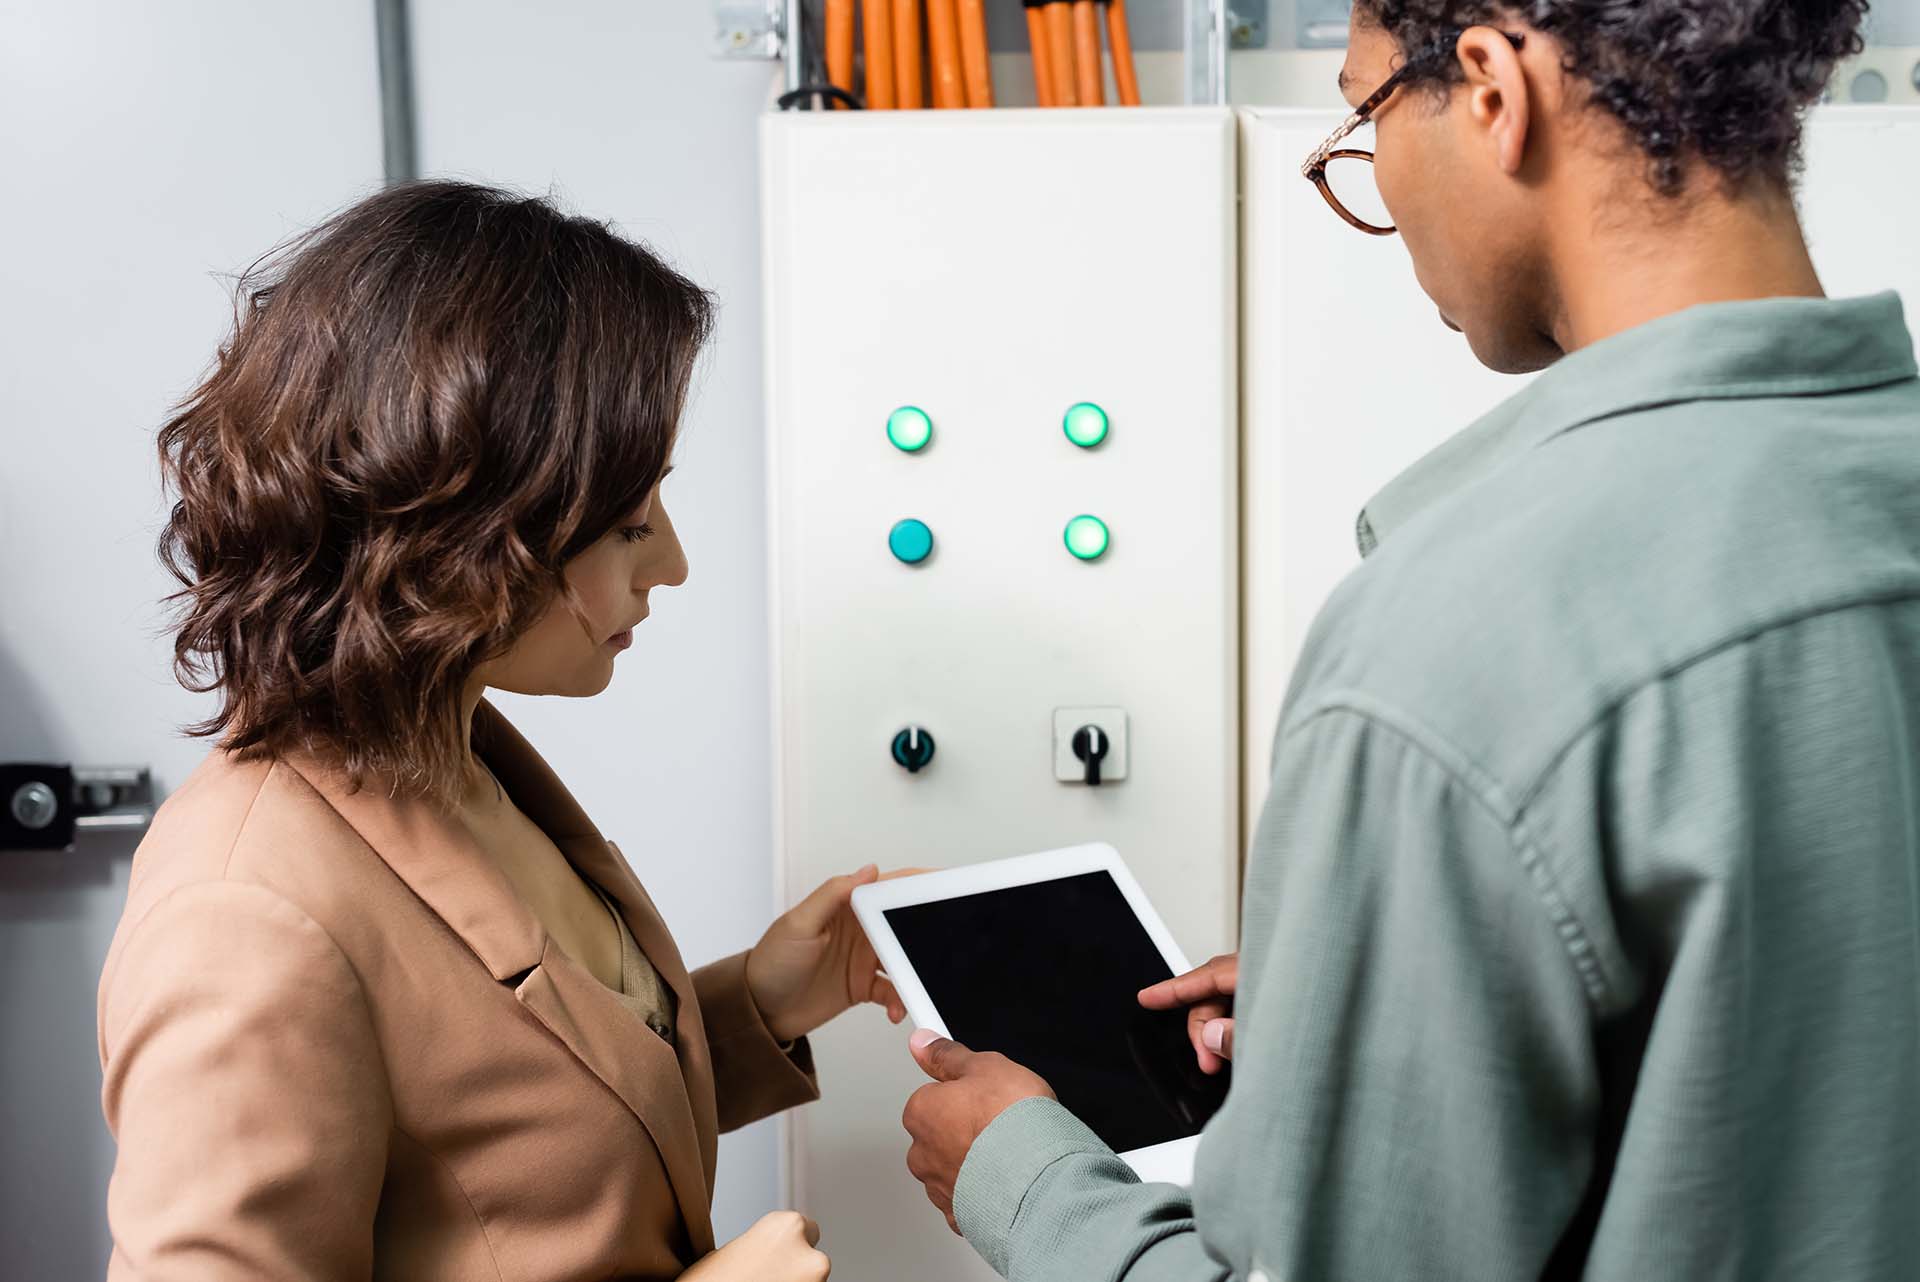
(750, 30)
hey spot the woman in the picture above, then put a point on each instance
(383, 1003)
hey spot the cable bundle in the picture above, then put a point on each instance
(913, 45)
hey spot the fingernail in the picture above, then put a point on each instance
(922, 1038)
(1214, 1034)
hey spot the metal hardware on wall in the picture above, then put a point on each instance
(1248, 24)
(1214, 28)
(399, 132)
(793, 41)
(1878, 75)
(751, 30)
(1321, 24)
(1207, 43)
(46, 806)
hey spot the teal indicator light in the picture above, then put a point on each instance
(911, 541)
(910, 429)
(1085, 424)
(1087, 537)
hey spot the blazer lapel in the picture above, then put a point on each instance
(439, 861)
(690, 1035)
(635, 1065)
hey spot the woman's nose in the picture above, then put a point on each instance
(668, 567)
(674, 573)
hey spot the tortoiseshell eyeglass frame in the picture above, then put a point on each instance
(1315, 168)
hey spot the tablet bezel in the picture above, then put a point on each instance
(1172, 1161)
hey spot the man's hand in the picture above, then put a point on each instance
(1207, 993)
(969, 1090)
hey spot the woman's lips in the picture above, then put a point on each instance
(621, 640)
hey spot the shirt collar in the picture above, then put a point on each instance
(1715, 351)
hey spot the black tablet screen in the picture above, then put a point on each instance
(1048, 975)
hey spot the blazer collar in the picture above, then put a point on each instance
(669, 1089)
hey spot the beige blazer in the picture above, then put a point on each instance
(337, 1046)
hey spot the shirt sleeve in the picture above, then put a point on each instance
(247, 1092)
(1415, 1091)
(1042, 1197)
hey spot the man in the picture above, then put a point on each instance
(1582, 928)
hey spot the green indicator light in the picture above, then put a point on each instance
(1086, 425)
(909, 429)
(911, 541)
(1087, 537)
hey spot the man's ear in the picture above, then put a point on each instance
(1499, 99)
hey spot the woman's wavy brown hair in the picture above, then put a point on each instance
(427, 406)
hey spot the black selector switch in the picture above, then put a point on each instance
(1090, 744)
(913, 749)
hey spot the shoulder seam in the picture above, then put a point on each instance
(224, 878)
(346, 962)
(1611, 706)
(1479, 784)
(240, 828)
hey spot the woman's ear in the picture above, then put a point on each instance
(1499, 98)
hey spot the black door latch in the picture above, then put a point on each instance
(45, 806)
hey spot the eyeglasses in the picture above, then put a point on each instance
(1345, 162)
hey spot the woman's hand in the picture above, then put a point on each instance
(780, 1248)
(815, 962)
(1207, 993)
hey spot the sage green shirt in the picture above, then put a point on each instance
(1582, 926)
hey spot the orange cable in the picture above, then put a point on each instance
(973, 53)
(1086, 55)
(878, 23)
(1120, 45)
(840, 45)
(1042, 65)
(943, 40)
(907, 88)
(1060, 49)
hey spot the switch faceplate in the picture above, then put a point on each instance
(1068, 768)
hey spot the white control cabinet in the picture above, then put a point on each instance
(1350, 376)
(994, 269)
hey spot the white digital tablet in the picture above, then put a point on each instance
(1042, 958)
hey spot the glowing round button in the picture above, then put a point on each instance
(911, 541)
(1085, 424)
(909, 429)
(1087, 537)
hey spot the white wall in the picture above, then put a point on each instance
(145, 149)
(148, 148)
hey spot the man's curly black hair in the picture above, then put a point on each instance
(1726, 81)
